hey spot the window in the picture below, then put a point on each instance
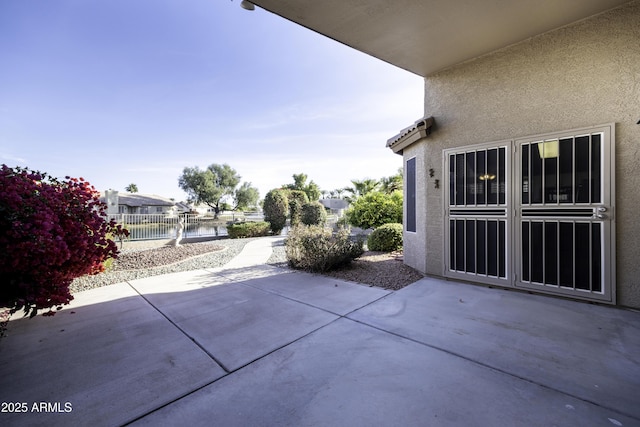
(411, 195)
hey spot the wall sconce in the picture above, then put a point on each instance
(487, 177)
(548, 149)
(247, 5)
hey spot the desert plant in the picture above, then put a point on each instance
(248, 229)
(51, 232)
(375, 209)
(386, 238)
(314, 213)
(318, 249)
(276, 209)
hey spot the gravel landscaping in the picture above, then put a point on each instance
(380, 269)
(152, 261)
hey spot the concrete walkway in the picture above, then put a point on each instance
(251, 344)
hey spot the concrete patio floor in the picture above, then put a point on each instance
(251, 344)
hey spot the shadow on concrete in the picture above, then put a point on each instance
(266, 346)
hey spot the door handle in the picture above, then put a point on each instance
(599, 213)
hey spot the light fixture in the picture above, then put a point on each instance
(247, 5)
(548, 149)
(487, 177)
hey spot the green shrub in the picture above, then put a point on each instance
(386, 238)
(297, 199)
(318, 249)
(276, 209)
(248, 229)
(295, 212)
(375, 209)
(314, 214)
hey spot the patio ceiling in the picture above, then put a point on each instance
(426, 36)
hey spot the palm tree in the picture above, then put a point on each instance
(392, 183)
(131, 188)
(361, 187)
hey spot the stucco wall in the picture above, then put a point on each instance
(578, 76)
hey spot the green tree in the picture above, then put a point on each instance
(392, 183)
(300, 183)
(276, 209)
(246, 197)
(375, 209)
(361, 187)
(215, 185)
(131, 188)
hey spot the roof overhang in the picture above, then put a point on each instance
(426, 36)
(411, 134)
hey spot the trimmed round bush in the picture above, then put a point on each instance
(297, 199)
(313, 213)
(276, 209)
(295, 212)
(386, 238)
(248, 229)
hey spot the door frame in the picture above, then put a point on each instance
(514, 215)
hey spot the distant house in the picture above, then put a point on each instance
(336, 206)
(201, 209)
(183, 208)
(136, 203)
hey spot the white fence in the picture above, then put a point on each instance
(162, 226)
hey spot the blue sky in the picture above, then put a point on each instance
(122, 91)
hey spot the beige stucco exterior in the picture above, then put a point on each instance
(425, 36)
(582, 75)
(501, 72)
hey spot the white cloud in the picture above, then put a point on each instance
(11, 158)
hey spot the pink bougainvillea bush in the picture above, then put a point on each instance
(51, 231)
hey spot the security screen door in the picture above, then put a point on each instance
(565, 214)
(534, 213)
(477, 214)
